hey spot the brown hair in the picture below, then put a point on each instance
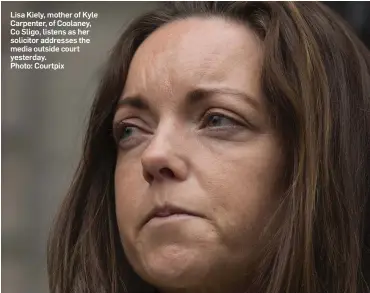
(317, 86)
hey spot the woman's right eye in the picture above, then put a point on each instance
(125, 133)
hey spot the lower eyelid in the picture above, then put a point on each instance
(225, 129)
(131, 142)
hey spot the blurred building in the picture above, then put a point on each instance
(357, 14)
(44, 116)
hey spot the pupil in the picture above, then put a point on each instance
(127, 131)
(216, 120)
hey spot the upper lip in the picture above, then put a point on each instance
(168, 210)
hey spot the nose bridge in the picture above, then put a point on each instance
(165, 156)
(166, 139)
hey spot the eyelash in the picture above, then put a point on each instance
(208, 115)
(120, 127)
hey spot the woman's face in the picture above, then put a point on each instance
(197, 155)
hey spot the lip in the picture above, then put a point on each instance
(168, 211)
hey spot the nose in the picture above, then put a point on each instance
(164, 158)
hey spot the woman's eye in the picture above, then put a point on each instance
(218, 120)
(125, 132)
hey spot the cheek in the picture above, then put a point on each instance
(129, 186)
(242, 189)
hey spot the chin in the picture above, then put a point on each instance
(174, 266)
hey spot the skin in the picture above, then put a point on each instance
(179, 150)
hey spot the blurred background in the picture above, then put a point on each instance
(44, 116)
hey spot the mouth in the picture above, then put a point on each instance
(169, 211)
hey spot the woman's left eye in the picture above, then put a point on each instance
(219, 120)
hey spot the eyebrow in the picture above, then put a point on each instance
(134, 102)
(195, 96)
(200, 94)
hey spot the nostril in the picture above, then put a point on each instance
(163, 172)
(166, 172)
(148, 177)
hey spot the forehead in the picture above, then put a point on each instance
(196, 50)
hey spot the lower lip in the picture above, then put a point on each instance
(170, 219)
